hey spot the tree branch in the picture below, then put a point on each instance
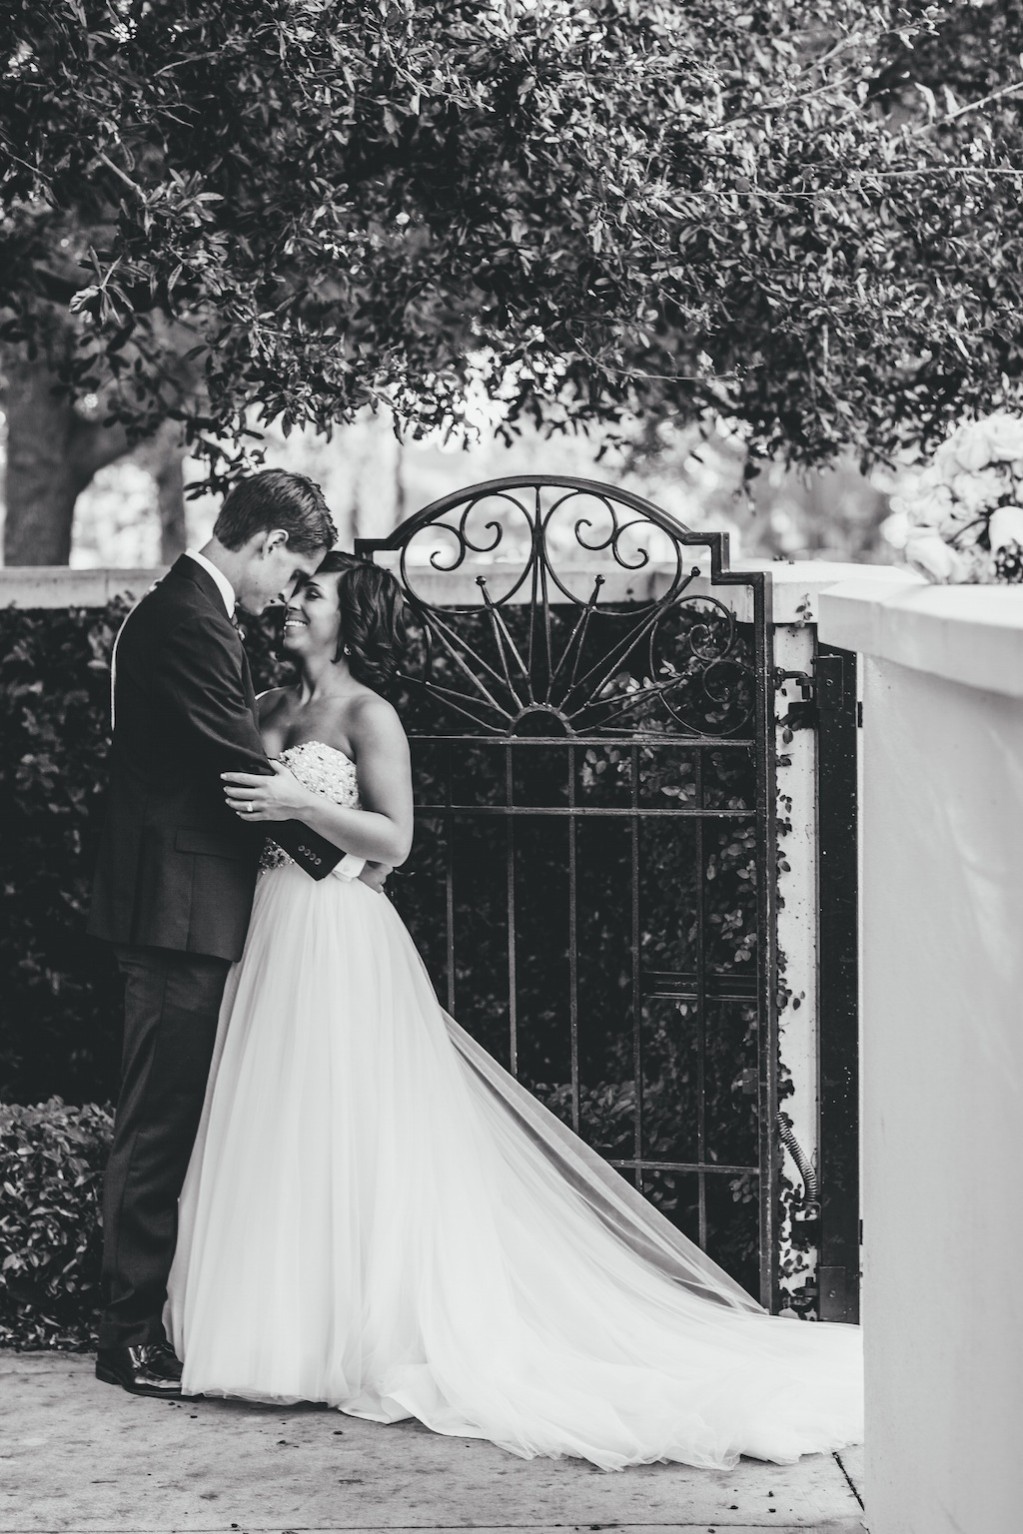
(94, 445)
(969, 106)
(121, 174)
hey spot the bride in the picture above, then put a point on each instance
(377, 1216)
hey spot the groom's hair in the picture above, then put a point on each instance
(276, 498)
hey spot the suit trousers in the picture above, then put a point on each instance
(171, 1006)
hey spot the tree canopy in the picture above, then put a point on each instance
(805, 222)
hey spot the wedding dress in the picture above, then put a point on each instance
(377, 1216)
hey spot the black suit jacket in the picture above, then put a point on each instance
(177, 868)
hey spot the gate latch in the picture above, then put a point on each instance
(802, 715)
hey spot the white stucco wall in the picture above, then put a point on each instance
(942, 977)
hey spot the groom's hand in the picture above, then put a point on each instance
(255, 796)
(375, 875)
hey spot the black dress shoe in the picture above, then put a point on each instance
(148, 1369)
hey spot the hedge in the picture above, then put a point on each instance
(60, 1013)
(60, 1019)
(51, 1172)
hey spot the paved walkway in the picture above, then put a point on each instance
(79, 1456)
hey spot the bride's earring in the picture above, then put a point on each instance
(346, 649)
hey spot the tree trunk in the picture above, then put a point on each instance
(170, 488)
(52, 454)
(42, 483)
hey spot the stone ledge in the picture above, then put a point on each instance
(797, 586)
(972, 635)
(40, 586)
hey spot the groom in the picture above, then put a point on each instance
(176, 876)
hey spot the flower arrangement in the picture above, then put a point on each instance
(963, 519)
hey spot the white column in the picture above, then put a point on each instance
(942, 899)
(798, 589)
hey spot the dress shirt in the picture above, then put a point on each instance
(223, 584)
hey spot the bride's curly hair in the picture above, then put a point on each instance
(373, 619)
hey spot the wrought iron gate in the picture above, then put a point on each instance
(593, 881)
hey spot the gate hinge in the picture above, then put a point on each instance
(802, 715)
(833, 1283)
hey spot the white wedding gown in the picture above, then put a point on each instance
(377, 1216)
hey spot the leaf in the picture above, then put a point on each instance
(83, 298)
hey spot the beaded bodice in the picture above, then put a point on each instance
(325, 770)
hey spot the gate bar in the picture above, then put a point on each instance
(838, 987)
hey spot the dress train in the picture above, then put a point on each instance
(377, 1216)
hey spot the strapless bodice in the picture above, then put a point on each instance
(326, 771)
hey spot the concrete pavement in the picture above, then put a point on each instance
(79, 1457)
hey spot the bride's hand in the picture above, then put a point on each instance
(254, 796)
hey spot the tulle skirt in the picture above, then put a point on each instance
(377, 1217)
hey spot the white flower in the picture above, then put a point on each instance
(973, 488)
(980, 490)
(1005, 526)
(945, 465)
(972, 447)
(977, 568)
(961, 527)
(928, 552)
(1005, 434)
(896, 528)
(928, 506)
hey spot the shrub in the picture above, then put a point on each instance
(52, 1159)
(60, 1019)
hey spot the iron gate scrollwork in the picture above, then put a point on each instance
(592, 886)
